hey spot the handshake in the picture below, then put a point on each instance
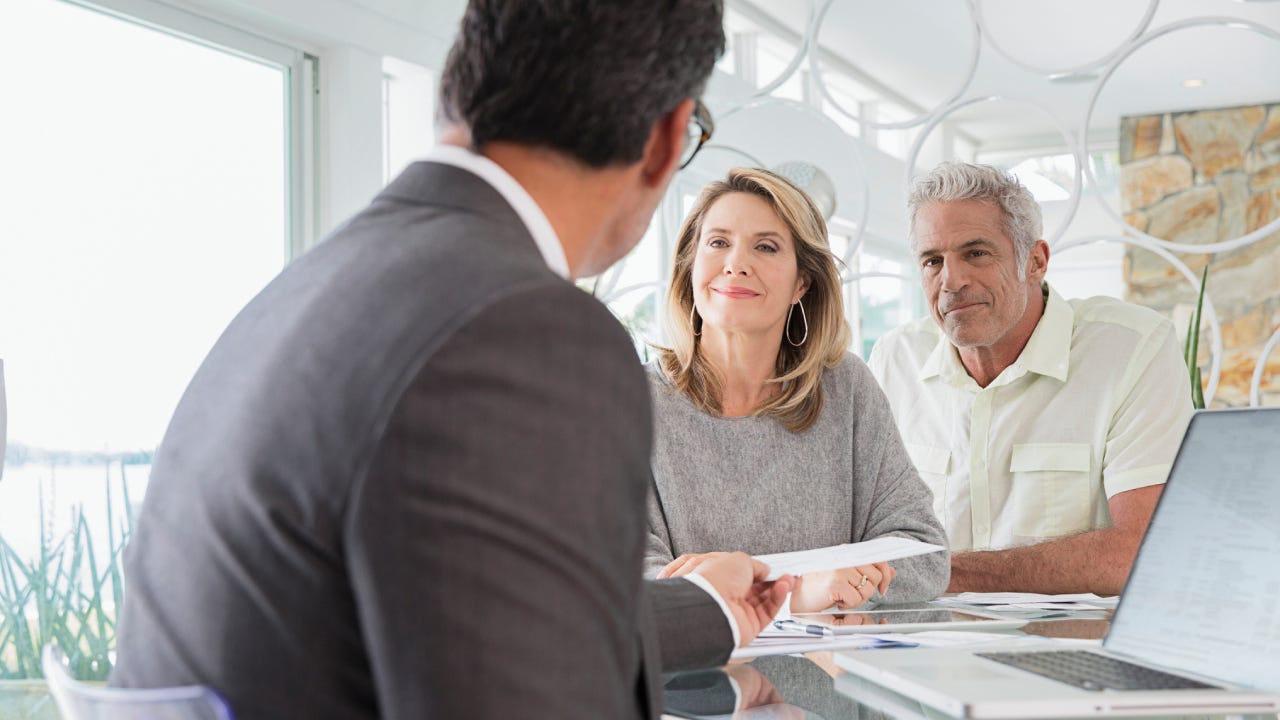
(754, 601)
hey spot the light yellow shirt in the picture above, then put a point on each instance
(1095, 405)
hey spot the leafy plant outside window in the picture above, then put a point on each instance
(67, 594)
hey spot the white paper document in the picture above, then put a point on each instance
(771, 642)
(950, 638)
(1031, 601)
(882, 549)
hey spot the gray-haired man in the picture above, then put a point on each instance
(1045, 427)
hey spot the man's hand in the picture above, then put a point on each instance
(739, 579)
(754, 689)
(845, 588)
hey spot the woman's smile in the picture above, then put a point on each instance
(736, 293)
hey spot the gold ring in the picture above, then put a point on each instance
(863, 582)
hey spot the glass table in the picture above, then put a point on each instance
(811, 686)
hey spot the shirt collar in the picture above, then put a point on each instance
(544, 235)
(1048, 351)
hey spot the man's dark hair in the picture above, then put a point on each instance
(588, 78)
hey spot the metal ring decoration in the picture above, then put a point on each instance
(1215, 339)
(815, 66)
(802, 51)
(1129, 230)
(860, 276)
(859, 165)
(1075, 149)
(1255, 385)
(755, 161)
(630, 289)
(1078, 69)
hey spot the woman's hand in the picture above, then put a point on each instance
(845, 588)
(685, 564)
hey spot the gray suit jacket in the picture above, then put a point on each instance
(409, 481)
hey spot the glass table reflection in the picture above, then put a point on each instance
(812, 687)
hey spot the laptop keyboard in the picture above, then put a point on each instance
(1094, 671)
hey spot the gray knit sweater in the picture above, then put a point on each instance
(750, 484)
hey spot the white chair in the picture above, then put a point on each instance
(81, 701)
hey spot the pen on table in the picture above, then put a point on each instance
(795, 625)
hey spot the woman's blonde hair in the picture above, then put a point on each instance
(799, 369)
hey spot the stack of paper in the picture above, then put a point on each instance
(1031, 601)
(781, 642)
(950, 638)
(882, 549)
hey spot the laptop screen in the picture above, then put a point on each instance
(1204, 593)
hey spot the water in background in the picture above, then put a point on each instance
(38, 497)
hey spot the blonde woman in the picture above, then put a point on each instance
(769, 435)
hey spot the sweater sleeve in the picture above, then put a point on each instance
(657, 552)
(890, 498)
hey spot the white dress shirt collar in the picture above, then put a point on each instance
(516, 196)
(1047, 352)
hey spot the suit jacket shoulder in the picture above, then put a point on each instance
(415, 444)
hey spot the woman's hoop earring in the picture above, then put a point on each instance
(692, 328)
(802, 318)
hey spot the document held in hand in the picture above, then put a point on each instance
(882, 549)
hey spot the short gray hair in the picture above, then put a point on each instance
(952, 181)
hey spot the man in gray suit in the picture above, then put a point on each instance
(409, 479)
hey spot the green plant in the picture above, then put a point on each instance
(1191, 351)
(61, 596)
(639, 324)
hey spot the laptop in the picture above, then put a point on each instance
(1197, 629)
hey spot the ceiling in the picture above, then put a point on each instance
(924, 50)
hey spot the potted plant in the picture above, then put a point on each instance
(1191, 351)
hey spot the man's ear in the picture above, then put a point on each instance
(1038, 261)
(665, 145)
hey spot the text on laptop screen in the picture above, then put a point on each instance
(1204, 595)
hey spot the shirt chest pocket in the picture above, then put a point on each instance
(1051, 494)
(933, 464)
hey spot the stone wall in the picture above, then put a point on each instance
(1200, 177)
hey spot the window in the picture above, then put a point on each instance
(895, 142)
(849, 94)
(154, 179)
(739, 46)
(773, 56)
(1049, 178)
(884, 303)
(635, 288)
